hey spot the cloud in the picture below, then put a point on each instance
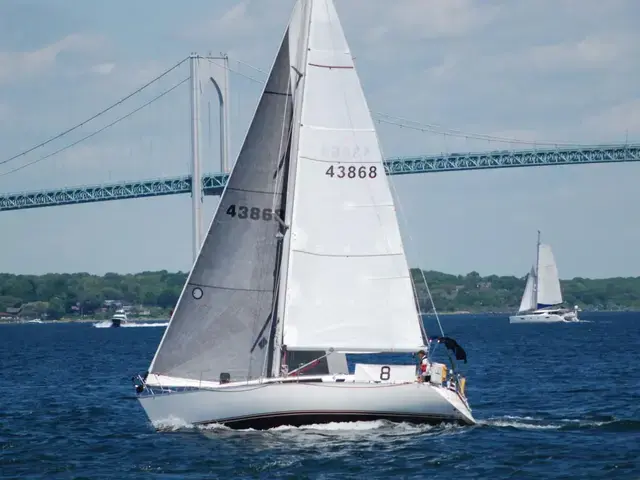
(591, 52)
(619, 119)
(246, 19)
(418, 19)
(103, 68)
(16, 65)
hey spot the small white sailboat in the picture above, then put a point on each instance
(303, 263)
(542, 298)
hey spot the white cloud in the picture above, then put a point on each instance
(418, 19)
(244, 19)
(616, 120)
(597, 51)
(103, 68)
(15, 65)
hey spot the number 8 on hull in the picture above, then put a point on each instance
(302, 264)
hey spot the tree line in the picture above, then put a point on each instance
(66, 294)
(475, 293)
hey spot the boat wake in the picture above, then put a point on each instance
(107, 324)
(334, 429)
(384, 428)
(608, 423)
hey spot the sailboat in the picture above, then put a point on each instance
(303, 263)
(542, 298)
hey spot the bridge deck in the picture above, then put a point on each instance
(213, 184)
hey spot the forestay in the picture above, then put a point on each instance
(222, 320)
(549, 292)
(348, 283)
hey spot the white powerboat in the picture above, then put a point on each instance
(302, 264)
(119, 318)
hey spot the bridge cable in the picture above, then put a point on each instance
(434, 128)
(429, 127)
(69, 130)
(124, 117)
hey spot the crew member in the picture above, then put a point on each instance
(424, 369)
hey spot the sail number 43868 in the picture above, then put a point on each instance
(253, 213)
(352, 171)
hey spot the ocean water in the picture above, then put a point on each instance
(553, 401)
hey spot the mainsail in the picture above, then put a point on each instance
(222, 321)
(347, 280)
(548, 291)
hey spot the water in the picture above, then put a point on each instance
(553, 401)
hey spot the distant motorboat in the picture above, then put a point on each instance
(542, 298)
(119, 318)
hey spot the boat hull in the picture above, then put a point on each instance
(542, 318)
(116, 323)
(269, 405)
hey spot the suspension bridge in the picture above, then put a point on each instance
(213, 184)
(538, 153)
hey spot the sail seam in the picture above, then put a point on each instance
(346, 255)
(337, 129)
(246, 190)
(343, 67)
(230, 288)
(277, 93)
(350, 162)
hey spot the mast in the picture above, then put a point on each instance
(535, 284)
(297, 92)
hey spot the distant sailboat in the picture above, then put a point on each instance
(542, 298)
(302, 264)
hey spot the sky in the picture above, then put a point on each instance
(535, 70)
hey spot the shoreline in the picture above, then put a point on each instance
(85, 320)
(165, 320)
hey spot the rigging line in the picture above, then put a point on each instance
(236, 72)
(251, 66)
(452, 131)
(69, 130)
(475, 136)
(435, 128)
(432, 128)
(124, 117)
(402, 215)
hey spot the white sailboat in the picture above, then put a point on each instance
(542, 298)
(303, 263)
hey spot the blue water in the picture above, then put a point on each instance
(553, 401)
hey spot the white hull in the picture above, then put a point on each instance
(314, 400)
(569, 317)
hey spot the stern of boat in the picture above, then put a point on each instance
(459, 403)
